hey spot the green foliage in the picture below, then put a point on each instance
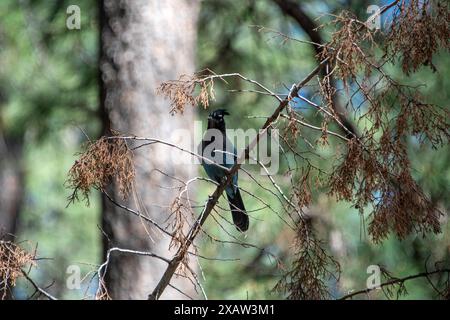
(48, 86)
(48, 72)
(66, 235)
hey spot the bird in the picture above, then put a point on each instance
(217, 147)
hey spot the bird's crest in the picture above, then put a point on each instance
(219, 114)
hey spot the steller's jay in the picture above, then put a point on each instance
(218, 148)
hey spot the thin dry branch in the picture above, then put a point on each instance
(12, 259)
(39, 289)
(102, 293)
(396, 281)
(212, 201)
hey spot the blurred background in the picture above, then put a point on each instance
(50, 100)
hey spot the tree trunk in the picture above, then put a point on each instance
(11, 192)
(142, 44)
(11, 185)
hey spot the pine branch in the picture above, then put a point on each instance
(212, 201)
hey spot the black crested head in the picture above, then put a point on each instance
(219, 113)
(216, 119)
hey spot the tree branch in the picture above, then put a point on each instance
(212, 201)
(395, 281)
(294, 10)
(42, 291)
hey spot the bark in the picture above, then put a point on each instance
(11, 185)
(142, 44)
(12, 190)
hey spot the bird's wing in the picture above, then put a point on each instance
(230, 159)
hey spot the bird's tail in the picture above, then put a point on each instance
(240, 217)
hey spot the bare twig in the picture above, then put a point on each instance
(212, 201)
(42, 291)
(104, 266)
(395, 281)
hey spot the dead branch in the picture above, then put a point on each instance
(212, 201)
(42, 291)
(395, 281)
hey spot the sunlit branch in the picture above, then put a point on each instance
(395, 281)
